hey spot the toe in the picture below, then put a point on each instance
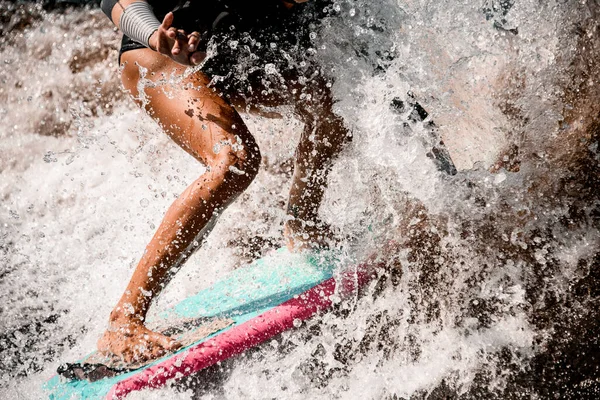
(166, 342)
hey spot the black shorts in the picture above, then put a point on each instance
(250, 40)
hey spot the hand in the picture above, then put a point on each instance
(176, 43)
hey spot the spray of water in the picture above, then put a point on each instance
(491, 289)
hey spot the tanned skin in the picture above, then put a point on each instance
(212, 120)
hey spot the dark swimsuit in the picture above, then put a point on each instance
(245, 38)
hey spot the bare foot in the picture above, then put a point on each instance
(300, 235)
(133, 343)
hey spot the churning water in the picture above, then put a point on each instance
(493, 288)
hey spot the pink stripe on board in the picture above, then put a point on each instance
(242, 337)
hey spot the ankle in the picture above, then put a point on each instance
(307, 235)
(119, 318)
(305, 224)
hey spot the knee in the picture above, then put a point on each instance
(323, 139)
(236, 164)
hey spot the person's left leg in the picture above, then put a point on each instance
(321, 142)
(322, 139)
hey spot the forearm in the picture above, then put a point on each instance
(133, 17)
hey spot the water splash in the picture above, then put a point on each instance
(492, 285)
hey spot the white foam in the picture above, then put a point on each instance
(77, 209)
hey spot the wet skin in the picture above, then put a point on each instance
(197, 117)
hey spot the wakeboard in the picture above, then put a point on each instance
(249, 306)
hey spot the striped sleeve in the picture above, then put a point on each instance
(139, 22)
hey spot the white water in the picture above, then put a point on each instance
(85, 178)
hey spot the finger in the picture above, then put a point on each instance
(167, 21)
(180, 44)
(164, 34)
(181, 35)
(172, 33)
(181, 39)
(193, 40)
(176, 47)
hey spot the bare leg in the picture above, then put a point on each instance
(196, 118)
(322, 140)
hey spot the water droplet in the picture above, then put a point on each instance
(270, 69)
(49, 157)
(236, 170)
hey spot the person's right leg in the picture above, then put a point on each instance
(208, 128)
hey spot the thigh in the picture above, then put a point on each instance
(193, 114)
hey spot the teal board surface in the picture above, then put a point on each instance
(243, 294)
